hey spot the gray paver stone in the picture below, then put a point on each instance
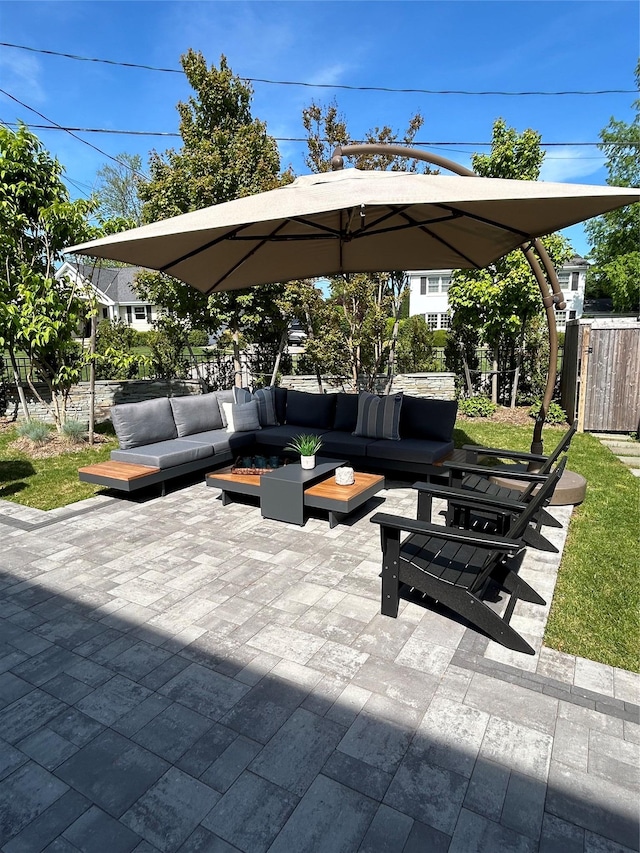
(95, 832)
(24, 795)
(477, 834)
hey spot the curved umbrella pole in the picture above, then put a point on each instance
(541, 266)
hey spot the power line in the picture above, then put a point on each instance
(432, 143)
(79, 138)
(342, 86)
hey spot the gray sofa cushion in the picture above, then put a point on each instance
(164, 454)
(142, 423)
(196, 413)
(409, 450)
(336, 443)
(280, 435)
(430, 419)
(223, 441)
(310, 410)
(225, 396)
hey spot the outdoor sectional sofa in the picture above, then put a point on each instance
(179, 435)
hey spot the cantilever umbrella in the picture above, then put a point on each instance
(356, 221)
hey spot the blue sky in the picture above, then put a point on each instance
(474, 45)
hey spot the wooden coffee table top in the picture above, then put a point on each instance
(330, 489)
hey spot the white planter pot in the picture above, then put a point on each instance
(308, 462)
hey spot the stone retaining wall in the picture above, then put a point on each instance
(435, 385)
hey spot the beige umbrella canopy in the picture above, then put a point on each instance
(356, 221)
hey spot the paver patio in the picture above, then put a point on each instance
(180, 676)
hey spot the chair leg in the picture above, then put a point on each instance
(514, 584)
(390, 573)
(534, 538)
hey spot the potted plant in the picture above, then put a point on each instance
(307, 446)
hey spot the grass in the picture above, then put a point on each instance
(48, 483)
(596, 603)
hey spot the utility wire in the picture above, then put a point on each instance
(325, 85)
(79, 138)
(434, 144)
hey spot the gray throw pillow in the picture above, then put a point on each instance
(265, 400)
(241, 417)
(143, 423)
(379, 417)
(197, 413)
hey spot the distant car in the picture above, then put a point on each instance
(297, 334)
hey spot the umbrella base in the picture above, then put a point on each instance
(571, 488)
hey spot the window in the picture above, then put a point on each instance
(446, 281)
(434, 283)
(575, 278)
(561, 318)
(564, 279)
(105, 313)
(445, 321)
(140, 312)
(432, 320)
(572, 315)
(423, 285)
(129, 315)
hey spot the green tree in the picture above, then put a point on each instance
(615, 236)
(117, 189)
(39, 314)
(226, 154)
(415, 345)
(497, 304)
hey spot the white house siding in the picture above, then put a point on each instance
(434, 304)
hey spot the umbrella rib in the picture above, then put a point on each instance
(246, 257)
(525, 235)
(441, 240)
(176, 261)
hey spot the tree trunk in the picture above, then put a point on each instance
(198, 368)
(19, 386)
(392, 357)
(494, 377)
(281, 346)
(467, 374)
(310, 336)
(237, 366)
(92, 377)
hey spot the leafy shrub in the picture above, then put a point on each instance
(198, 338)
(36, 431)
(555, 415)
(476, 407)
(75, 431)
(440, 338)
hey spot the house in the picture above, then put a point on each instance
(429, 293)
(117, 299)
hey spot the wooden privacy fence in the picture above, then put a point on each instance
(600, 383)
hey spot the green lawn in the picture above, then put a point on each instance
(596, 603)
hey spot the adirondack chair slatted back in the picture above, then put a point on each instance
(562, 447)
(537, 502)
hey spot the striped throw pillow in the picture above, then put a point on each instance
(264, 397)
(379, 417)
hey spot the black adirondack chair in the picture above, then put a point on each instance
(492, 509)
(470, 475)
(456, 566)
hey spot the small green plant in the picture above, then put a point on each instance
(36, 431)
(305, 445)
(476, 407)
(555, 415)
(75, 431)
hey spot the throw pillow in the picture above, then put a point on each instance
(241, 417)
(379, 417)
(265, 400)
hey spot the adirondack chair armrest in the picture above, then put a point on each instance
(452, 534)
(503, 454)
(464, 497)
(486, 471)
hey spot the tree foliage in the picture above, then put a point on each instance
(117, 189)
(615, 236)
(496, 306)
(226, 154)
(39, 314)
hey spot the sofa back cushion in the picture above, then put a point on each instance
(310, 410)
(429, 419)
(197, 413)
(143, 423)
(379, 417)
(265, 399)
(346, 416)
(280, 398)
